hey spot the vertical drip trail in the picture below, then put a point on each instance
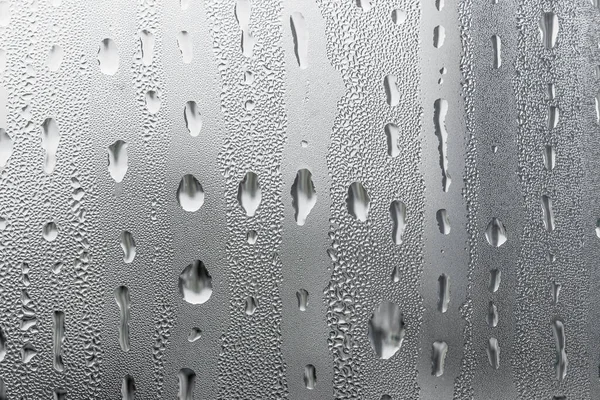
(251, 364)
(362, 251)
(463, 384)
(550, 36)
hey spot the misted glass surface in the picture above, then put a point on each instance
(300, 199)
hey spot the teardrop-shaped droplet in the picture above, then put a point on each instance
(495, 233)
(358, 201)
(117, 160)
(128, 246)
(304, 196)
(108, 57)
(195, 283)
(249, 194)
(190, 194)
(193, 120)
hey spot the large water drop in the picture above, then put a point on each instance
(193, 120)
(108, 57)
(128, 245)
(249, 194)
(195, 283)
(358, 201)
(300, 33)
(386, 329)
(495, 232)
(304, 195)
(117, 160)
(190, 194)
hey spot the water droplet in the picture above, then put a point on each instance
(364, 5)
(152, 101)
(551, 91)
(3, 345)
(108, 57)
(495, 232)
(302, 296)
(493, 353)
(440, 109)
(2, 61)
(562, 362)
(392, 93)
(128, 388)
(27, 353)
(300, 34)
(497, 47)
(187, 381)
(195, 334)
(358, 201)
(248, 77)
(193, 120)
(549, 157)
(128, 246)
(250, 305)
(398, 16)
(553, 117)
(195, 283)
(310, 376)
(398, 216)
(556, 287)
(443, 293)
(548, 213)
(392, 133)
(549, 29)
(147, 42)
(242, 13)
(117, 160)
(495, 277)
(59, 394)
(184, 41)
(386, 329)
(55, 58)
(58, 338)
(248, 43)
(443, 221)
(185, 4)
(6, 147)
(304, 196)
(50, 231)
(438, 358)
(249, 194)
(124, 303)
(190, 194)
(439, 4)
(439, 36)
(252, 236)
(492, 315)
(50, 141)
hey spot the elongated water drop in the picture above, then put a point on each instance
(497, 47)
(50, 141)
(549, 157)
(310, 376)
(302, 296)
(304, 195)
(300, 34)
(190, 194)
(50, 231)
(124, 303)
(495, 233)
(392, 134)
(548, 213)
(495, 277)
(562, 362)
(58, 338)
(492, 315)
(193, 120)
(556, 287)
(358, 201)
(398, 216)
(438, 357)
(250, 305)
(152, 101)
(443, 293)
(147, 42)
(493, 352)
(128, 245)
(440, 109)
(6, 147)
(386, 329)
(128, 388)
(439, 36)
(3, 345)
(249, 194)
(392, 93)
(117, 160)
(184, 41)
(553, 117)
(242, 13)
(108, 57)
(443, 221)
(187, 381)
(398, 16)
(195, 283)
(549, 29)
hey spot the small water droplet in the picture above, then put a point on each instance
(50, 141)
(556, 287)
(249, 194)
(252, 236)
(443, 221)
(553, 117)
(497, 47)
(152, 101)
(493, 352)
(250, 305)
(108, 57)
(398, 16)
(50, 231)
(117, 160)
(495, 278)
(439, 36)
(549, 157)
(195, 283)
(492, 315)
(495, 232)
(392, 133)
(548, 213)
(195, 334)
(398, 216)
(443, 293)
(302, 296)
(6, 147)
(27, 353)
(147, 42)
(190, 194)
(185, 4)
(304, 196)
(59, 394)
(392, 93)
